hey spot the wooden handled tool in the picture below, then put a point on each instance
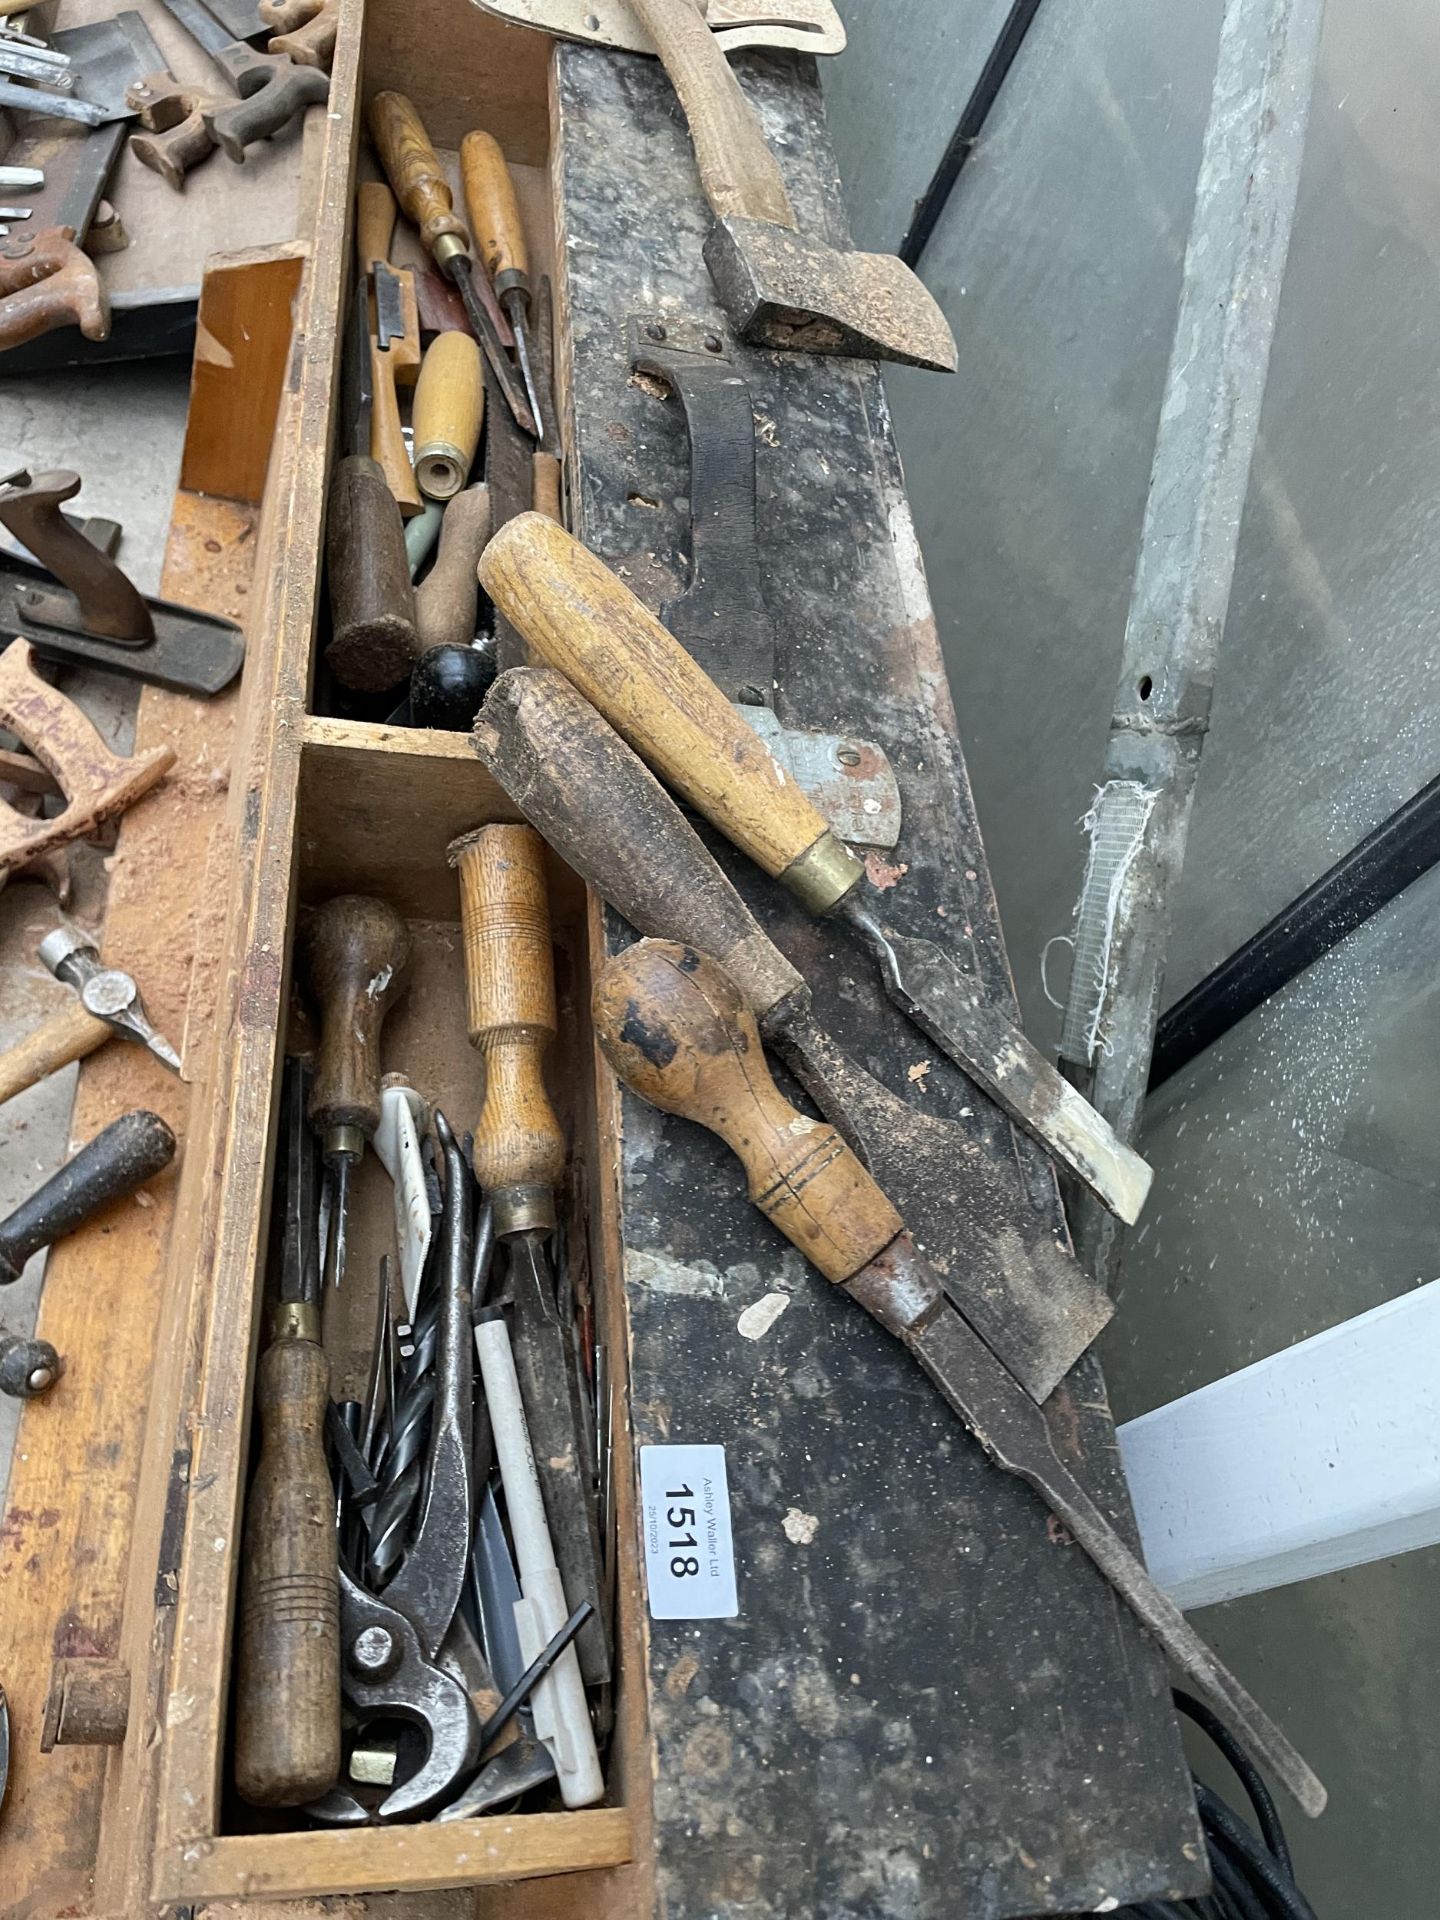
(355, 951)
(510, 988)
(582, 618)
(446, 600)
(47, 282)
(287, 1688)
(400, 360)
(608, 817)
(448, 410)
(677, 1031)
(578, 615)
(500, 235)
(68, 1035)
(421, 188)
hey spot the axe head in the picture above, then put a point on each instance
(785, 291)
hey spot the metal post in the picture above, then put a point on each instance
(1230, 289)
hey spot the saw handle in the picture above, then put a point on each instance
(68, 1035)
(307, 30)
(608, 817)
(47, 282)
(580, 617)
(173, 117)
(272, 91)
(414, 172)
(287, 1690)
(355, 951)
(494, 214)
(674, 1027)
(737, 169)
(510, 988)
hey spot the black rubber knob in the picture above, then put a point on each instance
(122, 1157)
(448, 686)
(27, 1367)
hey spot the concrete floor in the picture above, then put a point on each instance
(121, 429)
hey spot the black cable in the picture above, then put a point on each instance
(1249, 1775)
(931, 204)
(1283, 1898)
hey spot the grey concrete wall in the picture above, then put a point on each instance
(1295, 1165)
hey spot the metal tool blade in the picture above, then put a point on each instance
(850, 780)
(389, 305)
(1014, 1434)
(954, 1012)
(201, 24)
(527, 377)
(460, 267)
(105, 57)
(807, 26)
(240, 19)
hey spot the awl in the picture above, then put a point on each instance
(677, 1031)
(580, 617)
(413, 170)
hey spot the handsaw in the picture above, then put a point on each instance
(805, 26)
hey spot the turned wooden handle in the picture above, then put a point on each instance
(446, 600)
(494, 213)
(510, 990)
(287, 1690)
(580, 617)
(609, 818)
(372, 603)
(414, 172)
(737, 169)
(65, 1036)
(354, 951)
(375, 215)
(287, 90)
(674, 1027)
(47, 282)
(447, 413)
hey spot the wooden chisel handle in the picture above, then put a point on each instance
(519, 1152)
(494, 214)
(355, 951)
(580, 617)
(414, 172)
(287, 1692)
(375, 213)
(609, 818)
(446, 414)
(68, 1035)
(674, 1027)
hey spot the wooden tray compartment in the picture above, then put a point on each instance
(336, 805)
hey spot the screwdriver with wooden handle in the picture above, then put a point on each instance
(354, 951)
(677, 1031)
(287, 1688)
(421, 188)
(582, 618)
(608, 817)
(394, 361)
(519, 1160)
(495, 223)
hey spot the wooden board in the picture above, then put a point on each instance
(930, 1702)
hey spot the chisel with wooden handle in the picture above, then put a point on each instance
(500, 235)
(423, 191)
(677, 1031)
(287, 1686)
(580, 617)
(609, 818)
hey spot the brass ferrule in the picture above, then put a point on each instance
(296, 1320)
(447, 247)
(528, 1209)
(344, 1139)
(821, 877)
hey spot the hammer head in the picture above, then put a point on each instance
(786, 291)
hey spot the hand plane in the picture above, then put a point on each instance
(95, 614)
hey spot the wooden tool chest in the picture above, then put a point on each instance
(929, 1703)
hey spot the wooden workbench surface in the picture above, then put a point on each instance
(930, 1703)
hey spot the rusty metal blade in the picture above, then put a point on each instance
(1014, 1434)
